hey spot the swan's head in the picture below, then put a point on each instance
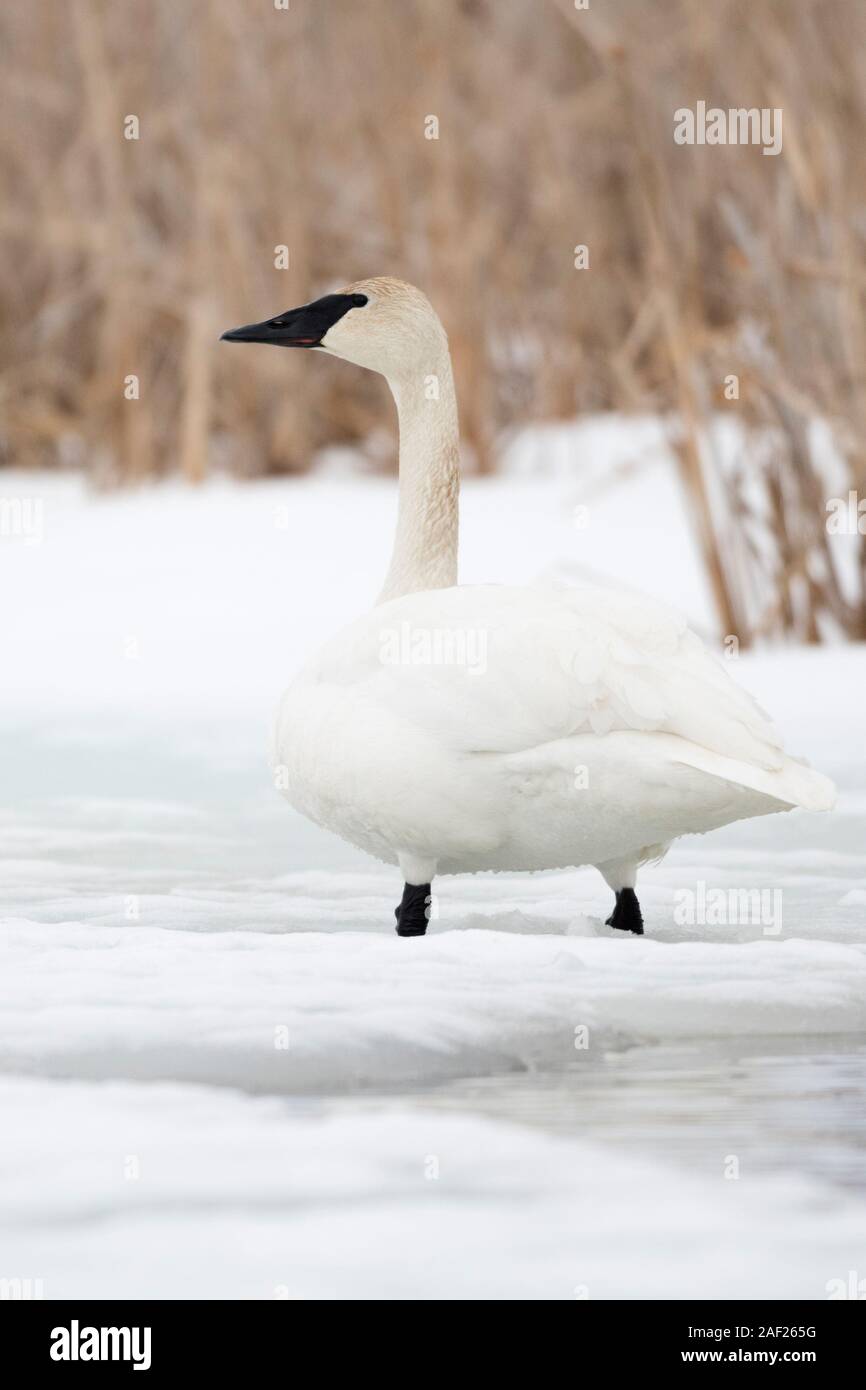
(383, 324)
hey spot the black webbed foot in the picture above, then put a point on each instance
(626, 915)
(412, 914)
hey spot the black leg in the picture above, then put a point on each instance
(626, 915)
(413, 910)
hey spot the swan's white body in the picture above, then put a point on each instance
(574, 727)
(459, 729)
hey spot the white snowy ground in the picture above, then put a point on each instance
(224, 1076)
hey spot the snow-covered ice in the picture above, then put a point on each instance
(223, 1075)
(183, 1192)
(314, 1012)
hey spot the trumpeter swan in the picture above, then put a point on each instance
(455, 729)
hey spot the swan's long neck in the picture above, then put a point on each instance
(425, 546)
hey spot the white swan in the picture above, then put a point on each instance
(451, 730)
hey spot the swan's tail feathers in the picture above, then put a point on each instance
(805, 787)
(792, 784)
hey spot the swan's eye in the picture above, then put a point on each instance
(359, 300)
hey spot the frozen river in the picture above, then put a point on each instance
(222, 1075)
(213, 1044)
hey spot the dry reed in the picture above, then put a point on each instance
(306, 127)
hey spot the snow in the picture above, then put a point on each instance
(359, 1011)
(195, 978)
(190, 1193)
(592, 462)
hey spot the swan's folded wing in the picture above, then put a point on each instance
(500, 669)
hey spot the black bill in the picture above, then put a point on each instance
(304, 327)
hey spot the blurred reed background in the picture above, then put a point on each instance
(306, 127)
